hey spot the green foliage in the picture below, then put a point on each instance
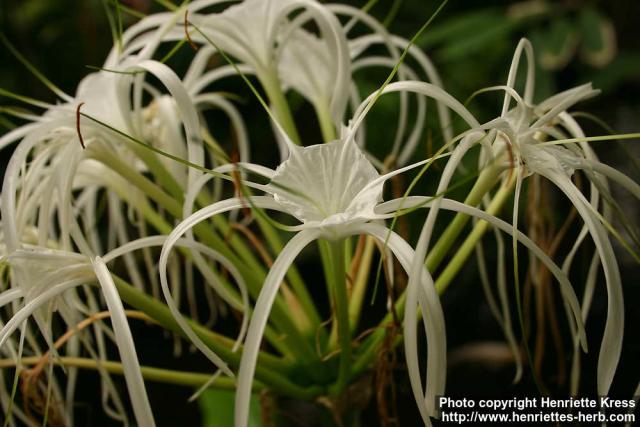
(216, 407)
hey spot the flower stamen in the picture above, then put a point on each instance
(80, 138)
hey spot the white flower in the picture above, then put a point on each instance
(46, 281)
(523, 130)
(334, 190)
(252, 31)
(328, 186)
(51, 192)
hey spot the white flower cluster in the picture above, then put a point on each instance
(130, 164)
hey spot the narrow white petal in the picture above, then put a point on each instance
(502, 314)
(259, 321)
(613, 174)
(126, 347)
(9, 295)
(587, 298)
(567, 291)
(611, 345)
(525, 45)
(183, 227)
(433, 318)
(30, 307)
(242, 305)
(426, 89)
(184, 104)
(14, 135)
(423, 60)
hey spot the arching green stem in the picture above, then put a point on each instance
(271, 371)
(272, 86)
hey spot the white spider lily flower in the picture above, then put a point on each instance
(306, 62)
(261, 36)
(50, 196)
(45, 281)
(281, 53)
(252, 30)
(57, 152)
(305, 65)
(475, 135)
(39, 193)
(334, 191)
(521, 129)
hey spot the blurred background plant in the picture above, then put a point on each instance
(471, 44)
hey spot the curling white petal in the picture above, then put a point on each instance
(10, 295)
(185, 105)
(567, 291)
(30, 307)
(611, 345)
(523, 45)
(423, 292)
(259, 321)
(186, 224)
(426, 89)
(242, 305)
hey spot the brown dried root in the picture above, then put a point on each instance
(35, 390)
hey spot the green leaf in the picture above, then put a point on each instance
(622, 68)
(6, 123)
(32, 12)
(216, 407)
(458, 28)
(598, 38)
(483, 38)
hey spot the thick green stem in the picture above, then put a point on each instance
(326, 123)
(341, 306)
(486, 181)
(155, 166)
(360, 283)
(463, 252)
(280, 105)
